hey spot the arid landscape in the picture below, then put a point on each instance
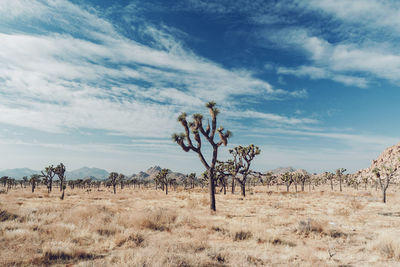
(199, 133)
(144, 227)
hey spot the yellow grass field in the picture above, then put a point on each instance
(144, 227)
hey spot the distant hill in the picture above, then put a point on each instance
(18, 173)
(389, 158)
(153, 171)
(86, 172)
(282, 170)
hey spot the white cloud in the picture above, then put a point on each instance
(371, 13)
(270, 117)
(56, 81)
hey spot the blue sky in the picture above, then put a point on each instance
(315, 84)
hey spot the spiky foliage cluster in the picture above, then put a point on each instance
(384, 175)
(60, 172)
(194, 129)
(242, 158)
(163, 179)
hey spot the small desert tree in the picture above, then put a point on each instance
(287, 179)
(3, 180)
(60, 172)
(48, 175)
(365, 180)
(270, 178)
(34, 180)
(195, 127)
(25, 180)
(339, 174)
(384, 176)
(113, 176)
(222, 173)
(191, 179)
(163, 179)
(303, 178)
(242, 158)
(121, 179)
(329, 177)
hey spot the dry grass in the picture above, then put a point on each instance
(138, 227)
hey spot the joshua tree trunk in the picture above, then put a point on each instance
(166, 188)
(243, 187)
(33, 187)
(287, 187)
(340, 183)
(63, 191)
(211, 189)
(224, 189)
(384, 195)
(302, 186)
(233, 185)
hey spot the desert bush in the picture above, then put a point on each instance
(356, 204)
(310, 226)
(159, 220)
(389, 248)
(6, 216)
(62, 253)
(217, 256)
(242, 235)
(135, 238)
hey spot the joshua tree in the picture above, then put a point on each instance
(48, 175)
(222, 173)
(25, 180)
(3, 180)
(270, 178)
(302, 178)
(60, 171)
(339, 174)
(365, 180)
(163, 179)
(35, 179)
(196, 128)
(329, 176)
(242, 157)
(287, 178)
(384, 182)
(114, 180)
(121, 178)
(192, 179)
(10, 183)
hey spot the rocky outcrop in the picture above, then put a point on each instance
(389, 158)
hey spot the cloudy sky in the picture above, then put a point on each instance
(315, 84)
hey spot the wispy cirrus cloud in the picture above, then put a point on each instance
(350, 42)
(85, 74)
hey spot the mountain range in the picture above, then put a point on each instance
(84, 172)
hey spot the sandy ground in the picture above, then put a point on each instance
(144, 227)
